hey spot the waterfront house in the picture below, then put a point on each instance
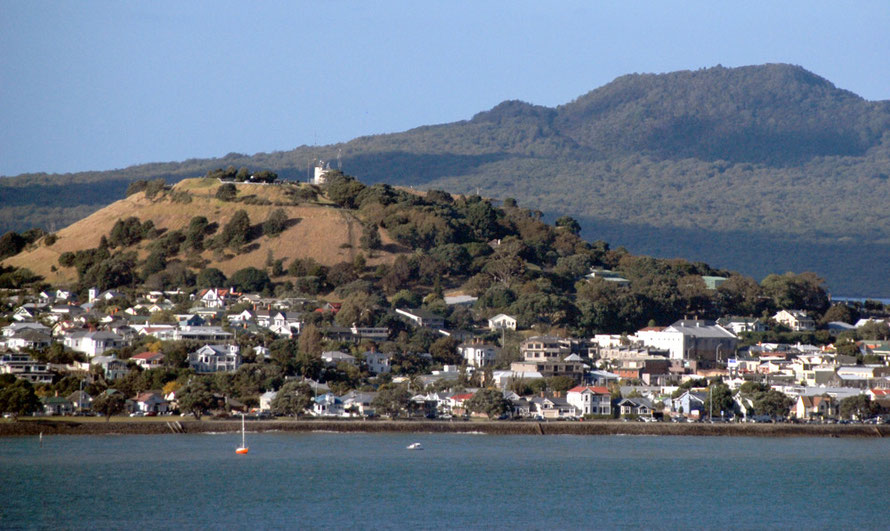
(554, 407)
(356, 403)
(638, 406)
(816, 406)
(80, 400)
(150, 402)
(590, 400)
(327, 405)
(690, 403)
(56, 405)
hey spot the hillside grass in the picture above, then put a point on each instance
(317, 229)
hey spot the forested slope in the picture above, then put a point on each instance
(760, 169)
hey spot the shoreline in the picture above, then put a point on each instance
(34, 427)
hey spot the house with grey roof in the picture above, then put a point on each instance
(215, 358)
(93, 343)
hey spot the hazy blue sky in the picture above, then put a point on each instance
(100, 85)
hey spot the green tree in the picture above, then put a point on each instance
(197, 397)
(803, 291)
(109, 404)
(773, 403)
(370, 239)
(490, 402)
(292, 399)
(874, 330)
(226, 192)
(719, 399)
(211, 278)
(569, 223)
(135, 187)
(194, 236)
(236, 233)
(154, 187)
(17, 397)
(343, 189)
(857, 407)
(391, 400)
(275, 223)
(250, 279)
(11, 244)
(560, 384)
(839, 312)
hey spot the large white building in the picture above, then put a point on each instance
(691, 339)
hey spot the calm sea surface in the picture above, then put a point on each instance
(370, 481)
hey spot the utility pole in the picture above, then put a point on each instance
(711, 402)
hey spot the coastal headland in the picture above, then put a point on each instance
(34, 427)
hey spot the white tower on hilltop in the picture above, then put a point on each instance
(321, 169)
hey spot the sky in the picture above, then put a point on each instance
(93, 85)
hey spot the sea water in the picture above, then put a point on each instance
(371, 481)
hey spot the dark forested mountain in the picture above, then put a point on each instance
(761, 169)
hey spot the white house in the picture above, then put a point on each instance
(24, 367)
(215, 358)
(28, 339)
(20, 326)
(590, 400)
(150, 402)
(217, 298)
(796, 320)
(502, 321)
(478, 354)
(266, 400)
(377, 362)
(93, 343)
(328, 405)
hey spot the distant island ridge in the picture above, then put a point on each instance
(759, 169)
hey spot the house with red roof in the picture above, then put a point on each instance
(217, 298)
(879, 394)
(590, 400)
(458, 403)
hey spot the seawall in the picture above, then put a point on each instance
(33, 427)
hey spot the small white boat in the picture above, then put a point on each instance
(415, 446)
